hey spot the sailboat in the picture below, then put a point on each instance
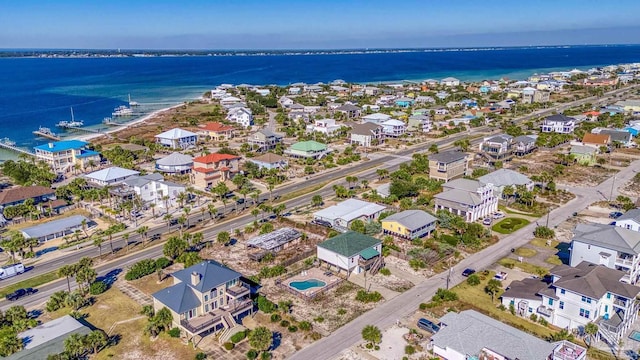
(72, 123)
(133, 103)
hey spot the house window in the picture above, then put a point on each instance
(562, 291)
(550, 301)
(530, 309)
(561, 305)
(206, 298)
(214, 293)
(214, 305)
(608, 295)
(584, 313)
(206, 307)
(586, 299)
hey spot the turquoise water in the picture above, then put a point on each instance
(307, 284)
(635, 335)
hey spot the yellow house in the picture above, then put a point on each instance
(409, 224)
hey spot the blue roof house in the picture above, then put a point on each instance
(63, 156)
(404, 102)
(633, 129)
(205, 298)
(485, 89)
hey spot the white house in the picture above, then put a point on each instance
(502, 178)
(175, 163)
(229, 100)
(559, 123)
(152, 189)
(285, 102)
(177, 138)
(367, 134)
(241, 115)
(470, 199)
(351, 251)
(630, 220)
(421, 123)
(615, 247)
(324, 126)
(450, 81)
(394, 128)
(110, 176)
(342, 214)
(377, 118)
(578, 296)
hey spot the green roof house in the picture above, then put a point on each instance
(352, 252)
(308, 149)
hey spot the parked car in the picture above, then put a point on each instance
(498, 215)
(11, 270)
(501, 276)
(615, 214)
(468, 272)
(487, 221)
(240, 201)
(428, 325)
(321, 223)
(20, 293)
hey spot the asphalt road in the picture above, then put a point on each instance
(364, 170)
(405, 304)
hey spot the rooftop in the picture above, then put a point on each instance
(349, 209)
(274, 239)
(448, 156)
(212, 275)
(526, 288)
(63, 145)
(216, 127)
(462, 184)
(48, 338)
(176, 133)
(54, 226)
(175, 159)
(593, 280)
(21, 193)
(307, 146)
(364, 129)
(459, 196)
(609, 237)
(268, 158)
(505, 177)
(412, 219)
(110, 174)
(469, 332)
(559, 118)
(214, 158)
(600, 139)
(349, 244)
(633, 214)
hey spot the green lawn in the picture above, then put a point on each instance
(32, 282)
(542, 243)
(525, 252)
(509, 225)
(554, 260)
(524, 266)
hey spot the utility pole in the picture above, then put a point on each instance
(547, 224)
(612, 185)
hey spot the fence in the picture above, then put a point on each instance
(312, 295)
(296, 258)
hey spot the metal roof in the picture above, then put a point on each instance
(176, 133)
(349, 244)
(179, 298)
(212, 275)
(54, 226)
(48, 338)
(505, 177)
(448, 156)
(274, 239)
(175, 159)
(412, 219)
(349, 209)
(609, 237)
(63, 145)
(111, 173)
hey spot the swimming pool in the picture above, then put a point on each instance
(635, 335)
(307, 284)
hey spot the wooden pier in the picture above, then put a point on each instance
(5, 145)
(50, 136)
(77, 128)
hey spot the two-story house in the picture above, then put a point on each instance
(19, 194)
(394, 128)
(419, 123)
(577, 296)
(177, 139)
(497, 148)
(205, 298)
(502, 178)
(367, 134)
(216, 131)
(151, 189)
(324, 126)
(409, 224)
(524, 144)
(264, 140)
(241, 116)
(559, 123)
(349, 110)
(616, 247)
(376, 118)
(630, 220)
(470, 199)
(448, 165)
(63, 156)
(213, 168)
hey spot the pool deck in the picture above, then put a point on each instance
(313, 273)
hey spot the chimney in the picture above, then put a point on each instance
(195, 278)
(50, 145)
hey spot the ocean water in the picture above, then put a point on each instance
(40, 91)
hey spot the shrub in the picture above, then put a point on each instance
(98, 288)
(305, 326)
(284, 323)
(385, 271)
(265, 305)
(376, 348)
(409, 350)
(473, 280)
(201, 356)
(543, 321)
(162, 263)
(265, 356)
(275, 317)
(512, 309)
(423, 306)
(252, 354)
(269, 272)
(342, 311)
(369, 346)
(140, 269)
(57, 301)
(367, 297)
(174, 333)
(444, 295)
(292, 328)
(502, 307)
(237, 337)
(229, 346)
(315, 336)
(534, 317)
(319, 319)
(544, 232)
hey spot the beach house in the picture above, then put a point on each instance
(367, 134)
(56, 229)
(205, 298)
(349, 110)
(470, 199)
(404, 102)
(324, 126)
(497, 148)
(241, 116)
(376, 118)
(344, 213)
(419, 123)
(502, 178)
(264, 140)
(110, 176)
(448, 165)
(558, 123)
(269, 161)
(352, 252)
(450, 81)
(213, 168)
(177, 139)
(48, 339)
(216, 131)
(524, 144)
(629, 220)
(409, 224)
(308, 149)
(175, 163)
(63, 156)
(394, 128)
(150, 189)
(19, 194)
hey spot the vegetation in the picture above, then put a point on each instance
(27, 173)
(14, 320)
(473, 280)
(544, 232)
(158, 322)
(371, 334)
(509, 225)
(140, 269)
(368, 297)
(260, 338)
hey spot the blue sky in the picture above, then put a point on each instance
(302, 24)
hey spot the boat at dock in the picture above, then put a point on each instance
(122, 111)
(71, 123)
(45, 132)
(133, 103)
(8, 141)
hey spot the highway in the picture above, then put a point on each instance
(364, 170)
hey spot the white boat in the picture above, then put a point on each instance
(122, 111)
(133, 103)
(72, 123)
(8, 141)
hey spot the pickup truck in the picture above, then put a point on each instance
(20, 293)
(501, 276)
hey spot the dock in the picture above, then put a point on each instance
(77, 128)
(8, 145)
(47, 135)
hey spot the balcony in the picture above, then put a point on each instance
(545, 310)
(202, 323)
(569, 351)
(239, 305)
(624, 262)
(620, 302)
(237, 291)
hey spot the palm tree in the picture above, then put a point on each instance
(96, 340)
(365, 183)
(493, 286)
(31, 242)
(372, 334)
(187, 211)
(75, 346)
(125, 237)
(168, 219)
(211, 209)
(166, 202)
(142, 231)
(382, 173)
(153, 209)
(181, 221)
(255, 212)
(67, 271)
(591, 329)
(197, 239)
(182, 198)
(97, 241)
(316, 200)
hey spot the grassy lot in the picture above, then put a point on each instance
(509, 225)
(113, 306)
(553, 260)
(32, 282)
(525, 252)
(514, 212)
(542, 243)
(524, 266)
